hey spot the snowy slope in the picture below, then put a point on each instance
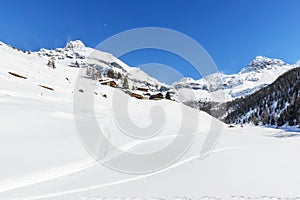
(260, 72)
(76, 54)
(42, 156)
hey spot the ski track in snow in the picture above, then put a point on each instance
(59, 172)
(34, 180)
(45, 175)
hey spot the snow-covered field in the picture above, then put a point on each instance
(42, 156)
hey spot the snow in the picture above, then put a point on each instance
(77, 44)
(257, 74)
(139, 78)
(42, 156)
(76, 52)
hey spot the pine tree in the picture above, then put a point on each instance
(168, 96)
(272, 121)
(119, 75)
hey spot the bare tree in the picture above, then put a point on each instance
(125, 83)
(110, 74)
(51, 63)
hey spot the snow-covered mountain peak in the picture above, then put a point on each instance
(260, 62)
(257, 74)
(184, 80)
(76, 44)
(265, 60)
(190, 83)
(214, 76)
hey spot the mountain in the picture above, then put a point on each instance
(257, 74)
(265, 92)
(240, 89)
(277, 104)
(76, 54)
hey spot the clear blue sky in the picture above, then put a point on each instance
(232, 31)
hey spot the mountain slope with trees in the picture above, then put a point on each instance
(277, 104)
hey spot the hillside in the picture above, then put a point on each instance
(277, 104)
(97, 63)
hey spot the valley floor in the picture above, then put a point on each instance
(42, 158)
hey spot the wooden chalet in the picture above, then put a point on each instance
(108, 82)
(142, 89)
